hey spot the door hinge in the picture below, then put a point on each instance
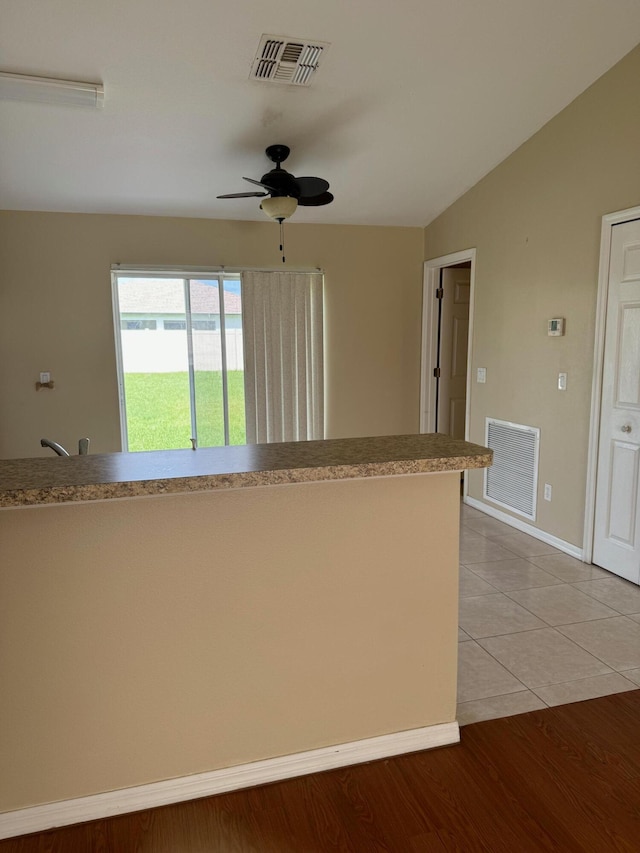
(436, 372)
(439, 293)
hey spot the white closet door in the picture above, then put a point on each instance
(617, 520)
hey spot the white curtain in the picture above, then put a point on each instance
(283, 377)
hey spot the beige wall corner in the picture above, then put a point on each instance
(535, 222)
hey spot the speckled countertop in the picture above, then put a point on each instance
(55, 479)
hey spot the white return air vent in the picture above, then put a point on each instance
(512, 480)
(287, 60)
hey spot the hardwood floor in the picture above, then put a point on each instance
(561, 779)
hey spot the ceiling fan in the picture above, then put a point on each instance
(284, 192)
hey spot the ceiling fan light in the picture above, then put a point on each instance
(279, 207)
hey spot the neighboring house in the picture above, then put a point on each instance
(157, 308)
(159, 304)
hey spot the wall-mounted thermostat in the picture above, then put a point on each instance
(556, 327)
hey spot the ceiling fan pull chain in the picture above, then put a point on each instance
(282, 239)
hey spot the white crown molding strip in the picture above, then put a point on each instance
(560, 544)
(110, 803)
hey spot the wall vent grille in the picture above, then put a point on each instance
(512, 480)
(290, 61)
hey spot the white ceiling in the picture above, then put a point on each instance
(415, 101)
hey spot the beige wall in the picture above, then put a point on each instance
(535, 221)
(153, 638)
(55, 314)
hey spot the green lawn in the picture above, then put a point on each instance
(158, 414)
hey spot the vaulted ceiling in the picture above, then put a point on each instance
(414, 101)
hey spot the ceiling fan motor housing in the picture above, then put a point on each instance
(281, 182)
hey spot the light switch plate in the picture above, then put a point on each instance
(481, 374)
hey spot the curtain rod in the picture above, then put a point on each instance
(138, 269)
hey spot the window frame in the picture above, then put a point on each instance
(186, 275)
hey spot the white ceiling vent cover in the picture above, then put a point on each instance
(287, 60)
(512, 480)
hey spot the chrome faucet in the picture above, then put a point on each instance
(57, 448)
(83, 447)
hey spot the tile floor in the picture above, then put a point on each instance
(538, 627)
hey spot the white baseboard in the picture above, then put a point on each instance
(560, 544)
(96, 806)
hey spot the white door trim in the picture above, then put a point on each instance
(430, 336)
(608, 221)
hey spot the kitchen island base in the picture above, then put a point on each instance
(152, 638)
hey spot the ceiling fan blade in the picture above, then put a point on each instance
(260, 184)
(243, 195)
(315, 200)
(312, 186)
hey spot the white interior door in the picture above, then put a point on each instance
(616, 544)
(454, 336)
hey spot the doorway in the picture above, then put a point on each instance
(453, 344)
(447, 315)
(613, 495)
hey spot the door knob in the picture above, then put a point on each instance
(626, 428)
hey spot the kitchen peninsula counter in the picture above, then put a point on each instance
(170, 632)
(55, 479)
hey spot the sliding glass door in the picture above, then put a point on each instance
(180, 360)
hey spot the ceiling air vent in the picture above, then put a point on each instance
(287, 60)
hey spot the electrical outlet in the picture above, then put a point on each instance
(45, 377)
(547, 491)
(562, 382)
(481, 375)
